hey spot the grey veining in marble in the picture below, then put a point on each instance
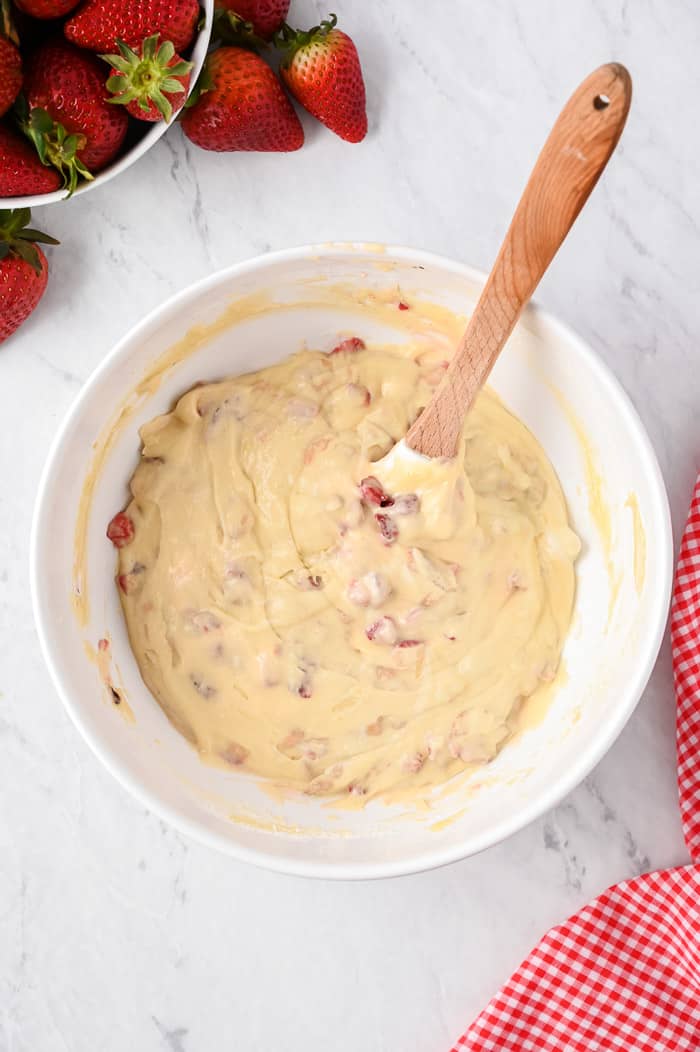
(117, 933)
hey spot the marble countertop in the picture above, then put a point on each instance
(115, 931)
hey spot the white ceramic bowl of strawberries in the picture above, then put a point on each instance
(84, 94)
(62, 63)
(548, 376)
(98, 82)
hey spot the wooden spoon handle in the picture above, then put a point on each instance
(570, 164)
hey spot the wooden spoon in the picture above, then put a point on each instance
(567, 169)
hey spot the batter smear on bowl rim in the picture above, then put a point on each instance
(336, 625)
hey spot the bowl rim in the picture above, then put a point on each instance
(499, 831)
(152, 134)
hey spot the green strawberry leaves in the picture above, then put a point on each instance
(55, 147)
(18, 239)
(291, 40)
(230, 29)
(147, 77)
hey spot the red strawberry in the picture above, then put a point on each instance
(70, 120)
(352, 344)
(372, 492)
(241, 106)
(149, 82)
(265, 16)
(23, 269)
(323, 73)
(10, 74)
(121, 530)
(387, 527)
(99, 24)
(46, 8)
(21, 171)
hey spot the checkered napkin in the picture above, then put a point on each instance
(624, 972)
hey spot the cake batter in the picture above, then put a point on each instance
(306, 613)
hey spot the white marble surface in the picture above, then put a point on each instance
(117, 933)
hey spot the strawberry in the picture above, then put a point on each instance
(23, 269)
(99, 24)
(265, 16)
(352, 344)
(150, 81)
(387, 528)
(70, 120)
(46, 8)
(323, 73)
(121, 530)
(241, 106)
(10, 74)
(382, 631)
(21, 171)
(372, 492)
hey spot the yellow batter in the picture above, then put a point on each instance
(334, 624)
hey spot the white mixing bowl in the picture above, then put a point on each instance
(550, 378)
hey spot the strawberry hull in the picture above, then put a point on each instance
(152, 82)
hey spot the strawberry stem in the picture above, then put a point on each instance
(230, 29)
(17, 239)
(291, 40)
(148, 77)
(55, 147)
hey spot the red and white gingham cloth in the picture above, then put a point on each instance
(624, 972)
